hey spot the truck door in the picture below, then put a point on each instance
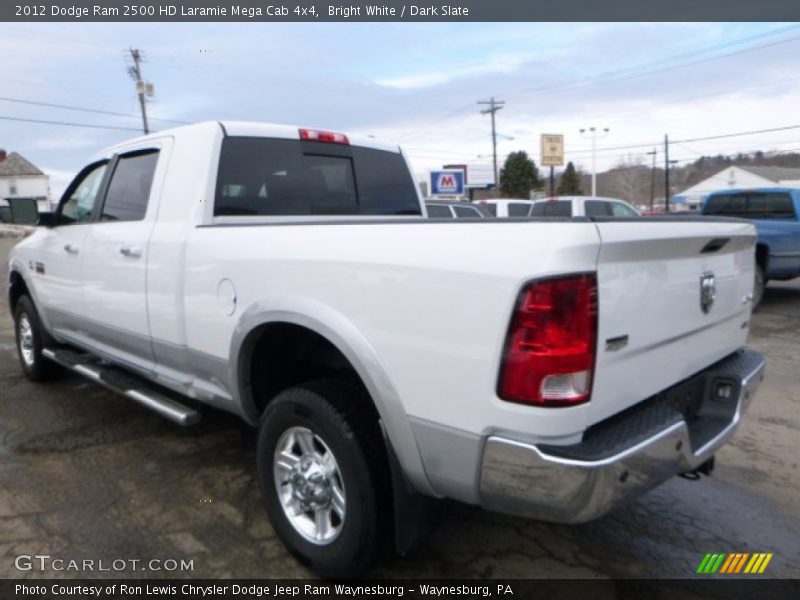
(115, 260)
(57, 266)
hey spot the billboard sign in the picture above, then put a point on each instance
(448, 182)
(552, 154)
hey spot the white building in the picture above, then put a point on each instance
(20, 178)
(737, 178)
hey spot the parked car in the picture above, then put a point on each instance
(447, 209)
(774, 211)
(506, 207)
(582, 206)
(289, 276)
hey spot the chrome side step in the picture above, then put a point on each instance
(125, 383)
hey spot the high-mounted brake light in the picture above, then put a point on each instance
(550, 348)
(329, 137)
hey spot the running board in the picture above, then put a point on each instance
(125, 383)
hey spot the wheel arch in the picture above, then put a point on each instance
(280, 316)
(762, 256)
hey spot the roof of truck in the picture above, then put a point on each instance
(257, 129)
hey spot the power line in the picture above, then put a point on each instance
(90, 126)
(88, 110)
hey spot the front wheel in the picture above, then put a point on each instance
(324, 476)
(31, 338)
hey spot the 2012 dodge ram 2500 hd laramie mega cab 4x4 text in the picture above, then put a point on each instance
(552, 368)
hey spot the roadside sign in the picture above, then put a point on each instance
(552, 154)
(448, 182)
(459, 168)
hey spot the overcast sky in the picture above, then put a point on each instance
(414, 83)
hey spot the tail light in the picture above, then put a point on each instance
(331, 137)
(550, 348)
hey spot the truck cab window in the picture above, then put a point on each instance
(270, 177)
(129, 190)
(79, 206)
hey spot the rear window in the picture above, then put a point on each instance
(552, 208)
(262, 177)
(518, 209)
(752, 205)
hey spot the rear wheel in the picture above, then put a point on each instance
(758, 286)
(324, 476)
(31, 339)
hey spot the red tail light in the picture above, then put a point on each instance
(551, 343)
(331, 137)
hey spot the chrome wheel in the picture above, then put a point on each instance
(26, 348)
(309, 485)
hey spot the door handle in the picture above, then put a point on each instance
(71, 248)
(132, 251)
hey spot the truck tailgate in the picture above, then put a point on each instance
(653, 327)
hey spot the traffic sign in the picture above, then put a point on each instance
(552, 154)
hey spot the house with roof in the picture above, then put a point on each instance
(20, 178)
(737, 177)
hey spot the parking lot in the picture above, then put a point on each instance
(87, 474)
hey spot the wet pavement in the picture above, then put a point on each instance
(86, 474)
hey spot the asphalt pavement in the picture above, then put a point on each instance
(86, 474)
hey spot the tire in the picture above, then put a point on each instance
(350, 496)
(31, 338)
(759, 284)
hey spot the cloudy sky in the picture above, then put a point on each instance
(415, 83)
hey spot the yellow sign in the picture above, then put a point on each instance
(552, 154)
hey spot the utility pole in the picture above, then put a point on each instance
(494, 106)
(653, 180)
(142, 88)
(666, 174)
(592, 133)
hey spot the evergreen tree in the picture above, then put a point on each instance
(570, 184)
(519, 176)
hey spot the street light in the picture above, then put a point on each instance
(594, 133)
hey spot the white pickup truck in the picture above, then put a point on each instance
(553, 368)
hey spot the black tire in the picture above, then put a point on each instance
(340, 415)
(37, 368)
(758, 286)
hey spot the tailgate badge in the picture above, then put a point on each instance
(708, 291)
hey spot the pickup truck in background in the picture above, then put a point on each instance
(552, 368)
(775, 212)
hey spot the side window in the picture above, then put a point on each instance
(466, 212)
(491, 208)
(621, 210)
(79, 205)
(129, 190)
(439, 211)
(552, 208)
(597, 208)
(518, 209)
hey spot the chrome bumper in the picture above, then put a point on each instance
(545, 483)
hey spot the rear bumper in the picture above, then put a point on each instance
(625, 456)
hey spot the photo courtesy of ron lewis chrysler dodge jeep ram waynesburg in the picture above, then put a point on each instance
(546, 367)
